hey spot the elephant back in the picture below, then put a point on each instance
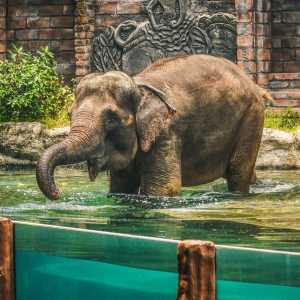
(209, 78)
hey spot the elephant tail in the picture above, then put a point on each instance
(266, 95)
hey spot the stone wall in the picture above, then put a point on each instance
(21, 144)
(143, 33)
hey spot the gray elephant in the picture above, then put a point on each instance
(183, 121)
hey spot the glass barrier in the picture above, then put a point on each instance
(65, 263)
(247, 274)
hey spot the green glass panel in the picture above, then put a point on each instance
(233, 290)
(65, 263)
(127, 250)
(257, 274)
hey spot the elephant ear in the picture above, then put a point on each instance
(152, 115)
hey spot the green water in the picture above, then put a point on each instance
(52, 277)
(268, 217)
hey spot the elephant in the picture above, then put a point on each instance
(183, 121)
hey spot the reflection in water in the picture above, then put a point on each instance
(268, 217)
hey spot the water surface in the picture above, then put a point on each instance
(268, 217)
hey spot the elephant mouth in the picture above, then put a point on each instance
(95, 165)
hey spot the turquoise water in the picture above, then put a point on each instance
(268, 217)
(83, 279)
(52, 277)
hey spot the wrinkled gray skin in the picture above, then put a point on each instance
(183, 121)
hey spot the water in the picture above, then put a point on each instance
(74, 279)
(84, 279)
(268, 217)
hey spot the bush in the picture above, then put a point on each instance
(30, 88)
(287, 120)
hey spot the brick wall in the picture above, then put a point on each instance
(84, 34)
(246, 54)
(268, 42)
(2, 29)
(268, 47)
(115, 12)
(254, 39)
(35, 23)
(285, 74)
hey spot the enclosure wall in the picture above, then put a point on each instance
(33, 24)
(268, 34)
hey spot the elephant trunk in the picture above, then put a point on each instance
(69, 151)
(51, 158)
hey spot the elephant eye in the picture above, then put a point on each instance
(111, 124)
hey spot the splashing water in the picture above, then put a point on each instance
(267, 217)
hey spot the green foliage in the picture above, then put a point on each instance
(62, 118)
(287, 120)
(30, 88)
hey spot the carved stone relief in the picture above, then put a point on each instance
(169, 31)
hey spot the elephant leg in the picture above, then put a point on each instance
(253, 177)
(240, 169)
(161, 171)
(123, 181)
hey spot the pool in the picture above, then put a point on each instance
(92, 244)
(267, 218)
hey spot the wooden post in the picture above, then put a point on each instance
(196, 270)
(7, 291)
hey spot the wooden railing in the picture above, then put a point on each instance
(7, 289)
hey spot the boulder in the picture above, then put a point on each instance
(277, 150)
(8, 161)
(55, 135)
(297, 140)
(21, 140)
(22, 143)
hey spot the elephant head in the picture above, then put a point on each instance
(110, 116)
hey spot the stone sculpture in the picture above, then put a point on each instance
(170, 31)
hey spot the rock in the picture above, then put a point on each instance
(297, 140)
(276, 150)
(21, 140)
(8, 161)
(55, 135)
(22, 143)
(276, 139)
